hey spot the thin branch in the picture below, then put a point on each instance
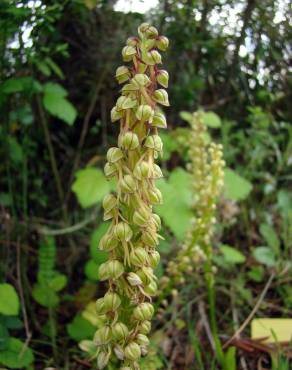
(253, 312)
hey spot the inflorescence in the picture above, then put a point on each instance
(132, 237)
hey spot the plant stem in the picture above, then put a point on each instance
(53, 328)
(52, 157)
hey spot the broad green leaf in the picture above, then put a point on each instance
(45, 296)
(284, 201)
(58, 282)
(9, 301)
(11, 322)
(91, 270)
(211, 119)
(175, 210)
(96, 254)
(265, 255)
(55, 102)
(270, 236)
(19, 84)
(55, 89)
(169, 145)
(90, 186)
(232, 255)
(80, 329)
(235, 187)
(16, 356)
(186, 116)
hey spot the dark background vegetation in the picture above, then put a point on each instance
(57, 86)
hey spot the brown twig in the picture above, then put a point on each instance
(206, 325)
(253, 312)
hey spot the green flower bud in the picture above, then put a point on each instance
(143, 312)
(145, 113)
(159, 120)
(119, 352)
(162, 78)
(114, 155)
(155, 196)
(129, 88)
(146, 30)
(140, 79)
(142, 170)
(132, 41)
(109, 202)
(134, 279)
(157, 173)
(142, 68)
(151, 32)
(123, 232)
(124, 102)
(109, 170)
(130, 141)
(111, 301)
(138, 257)
(150, 238)
(157, 221)
(122, 74)
(154, 258)
(149, 44)
(145, 327)
(128, 52)
(111, 269)
(151, 288)
(161, 97)
(153, 57)
(154, 142)
(100, 308)
(141, 217)
(128, 184)
(87, 346)
(102, 336)
(142, 340)
(132, 351)
(115, 115)
(120, 331)
(162, 43)
(146, 275)
(107, 243)
(102, 360)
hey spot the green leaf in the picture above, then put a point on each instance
(15, 150)
(97, 255)
(232, 255)
(11, 322)
(169, 145)
(230, 359)
(90, 186)
(57, 105)
(58, 282)
(175, 210)
(80, 329)
(91, 270)
(265, 255)
(9, 302)
(186, 116)
(19, 84)
(235, 187)
(256, 273)
(16, 356)
(270, 236)
(211, 119)
(45, 296)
